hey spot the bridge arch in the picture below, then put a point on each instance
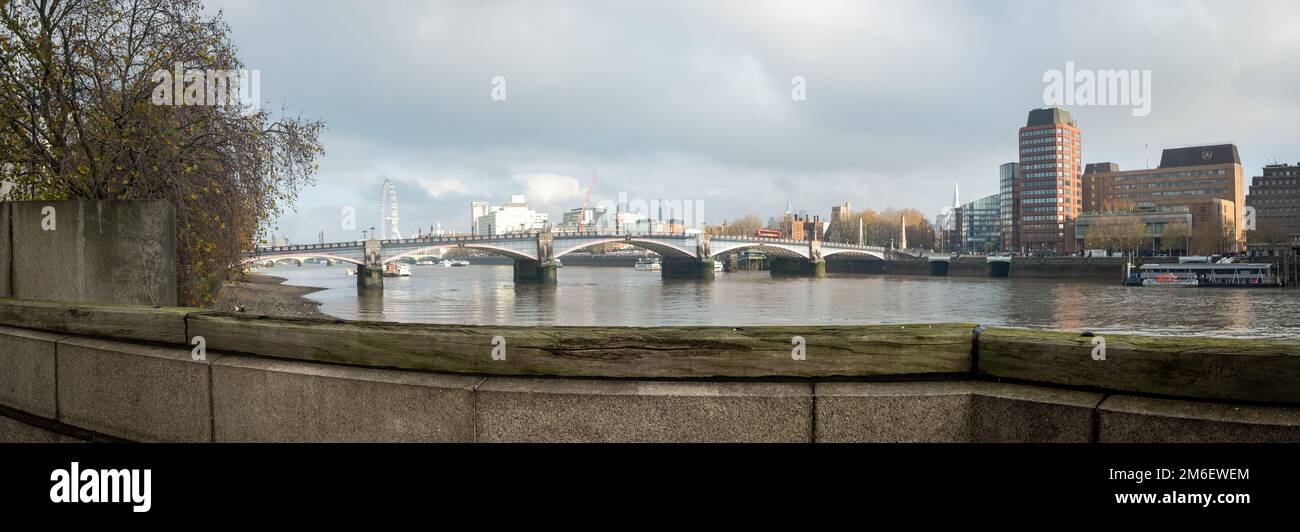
(298, 257)
(418, 252)
(781, 249)
(662, 248)
(870, 253)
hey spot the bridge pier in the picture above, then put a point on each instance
(534, 271)
(370, 277)
(796, 267)
(676, 268)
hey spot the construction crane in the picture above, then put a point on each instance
(582, 215)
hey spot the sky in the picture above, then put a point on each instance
(695, 101)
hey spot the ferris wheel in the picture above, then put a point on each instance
(388, 211)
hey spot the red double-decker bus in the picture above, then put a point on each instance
(768, 233)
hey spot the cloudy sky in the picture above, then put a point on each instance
(692, 100)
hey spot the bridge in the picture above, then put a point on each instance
(684, 255)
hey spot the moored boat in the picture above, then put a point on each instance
(1240, 275)
(647, 265)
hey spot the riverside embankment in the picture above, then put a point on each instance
(73, 372)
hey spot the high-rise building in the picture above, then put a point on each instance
(1276, 199)
(1008, 213)
(1048, 193)
(477, 209)
(1206, 179)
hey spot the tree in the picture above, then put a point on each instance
(79, 119)
(1122, 233)
(1176, 236)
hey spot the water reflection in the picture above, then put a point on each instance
(486, 294)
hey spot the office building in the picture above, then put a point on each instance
(512, 217)
(1048, 191)
(1008, 213)
(1205, 179)
(980, 227)
(1275, 195)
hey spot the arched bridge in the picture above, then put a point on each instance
(684, 254)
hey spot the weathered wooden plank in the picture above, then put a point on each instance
(150, 324)
(1209, 368)
(644, 352)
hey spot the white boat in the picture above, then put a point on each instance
(459, 263)
(558, 264)
(648, 265)
(397, 270)
(717, 265)
(446, 263)
(1170, 279)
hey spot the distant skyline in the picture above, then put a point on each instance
(692, 100)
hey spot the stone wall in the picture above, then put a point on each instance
(62, 386)
(116, 252)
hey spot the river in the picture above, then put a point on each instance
(486, 294)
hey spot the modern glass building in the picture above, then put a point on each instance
(1008, 213)
(981, 228)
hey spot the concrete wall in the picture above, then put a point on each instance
(6, 252)
(94, 388)
(111, 252)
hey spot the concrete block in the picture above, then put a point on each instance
(6, 251)
(951, 412)
(571, 410)
(110, 252)
(15, 431)
(893, 412)
(265, 400)
(1143, 419)
(1016, 413)
(27, 371)
(134, 392)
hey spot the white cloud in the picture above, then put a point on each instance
(548, 189)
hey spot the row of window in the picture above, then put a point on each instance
(1171, 184)
(1041, 149)
(1040, 132)
(1192, 173)
(1048, 157)
(1033, 175)
(1198, 192)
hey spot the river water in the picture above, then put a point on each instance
(486, 294)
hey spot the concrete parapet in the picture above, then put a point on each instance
(6, 252)
(15, 431)
(266, 400)
(569, 410)
(951, 412)
(150, 324)
(27, 371)
(1127, 418)
(893, 412)
(135, 392)
(95, 251)
(1006, 413)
